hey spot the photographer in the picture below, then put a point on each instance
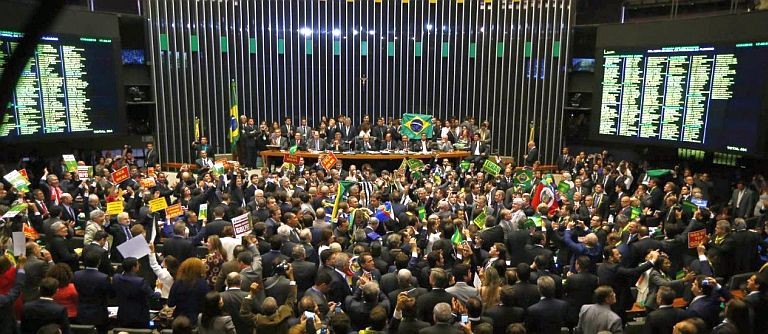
(278, 285)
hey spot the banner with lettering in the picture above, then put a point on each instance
(120, 175)
(158, 204)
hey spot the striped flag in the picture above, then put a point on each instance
(366, 189)
(456, 238)
(234, 115)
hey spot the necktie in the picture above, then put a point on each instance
(127, 232)
(317, 145)
(389, 145)
(42, 206)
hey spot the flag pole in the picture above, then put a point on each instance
(530, 134)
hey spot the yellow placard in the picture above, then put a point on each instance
(158, 204)
(174, 211)
(114, 208)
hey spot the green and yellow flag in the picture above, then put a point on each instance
(292, 150)
(480, 220)
(523, 178)
(234, 117)
(416, 124)
(456, 238)
(342, 189)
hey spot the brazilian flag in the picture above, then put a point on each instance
(523, 178)
(234, 117)
(416, 124)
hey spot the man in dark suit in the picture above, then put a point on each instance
(407, 322)
(360, 305)
(36, 266)
(59, 248)
(442, 321)
(742, 201)
(70, 211)
(304, 271)
(548, 315)
(133, 295)
(233, 298)
(93, 289)
(97, 247)
(666, 316)
(280, 140)
(298, 141)
(367, 268)
(746, 255)
(526, 292)
(215, 227)
(387, 143)
(44, 311)
(478, 151)
(121, 232)
(179, 246)
(536, 248)
(507, 312)
(620, 278)
(757, 298)
(532, 156)
(150, 156)
(316, 143)
(204, 162)
(365, 144)
(565, 160)
(579, 289)
(425, 304)
(644, 245)
(707, 299)
(655, 198)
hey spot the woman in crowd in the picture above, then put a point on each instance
(490, 290)
(188, 291)
(165, 272)
(66, 295)
(213, 261)
(213, 320)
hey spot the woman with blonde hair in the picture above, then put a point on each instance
(490, 288)
(217, 255)
(189, 289)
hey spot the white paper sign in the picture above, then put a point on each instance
(19, 243)
(241, 225)
(135, 247)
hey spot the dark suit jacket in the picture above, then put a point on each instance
(105, 266)
(441, 328)
(233, 299)
(61, 253)
(36, 269)
(179, 248)
(319, 146)
(662, 320)
(133, 296)
(620, 278)
(483, 149)
(503, 315)
(746, 257)
(546, 317)
(527, 294)
(93, 289)
(407, 326)
(641, 248)
(151, 158)
(215, 227)
(118, 237)
(533, 155)
(759, 304)
(383, 145)
(41, 312)
(304, 272)
(579, 291)
(425, 304)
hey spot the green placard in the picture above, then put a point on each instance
(280, 46)
(194, 43)
(364, 48)
(556, 49)
(391, 49)
(163, 42)
(417, 49)
(308, 46)
(224, 44)
(499, 49)
(472, 50)
(445, 49)
(251, 45)
(336, 48)
(528, 49)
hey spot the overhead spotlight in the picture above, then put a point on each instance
(305, 31)
(355, 32)
(336, 32)
(371, 32)
(482, 29)
(430, 26)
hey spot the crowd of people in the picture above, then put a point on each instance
(444, 248)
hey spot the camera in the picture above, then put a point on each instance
(281, 268)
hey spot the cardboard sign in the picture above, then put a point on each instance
(114, 208)
(70, 162)
(151, 171)
(491, 167)
(328, 161)
(291, 159)
(120, 175)
(135, 247)
(15, 210)
(23, 173)
(148, 182)
(242, 225)
(696, 237)
(203, 212)
(174, 211)
(16, 179)
(82, 172)
(157, 204)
